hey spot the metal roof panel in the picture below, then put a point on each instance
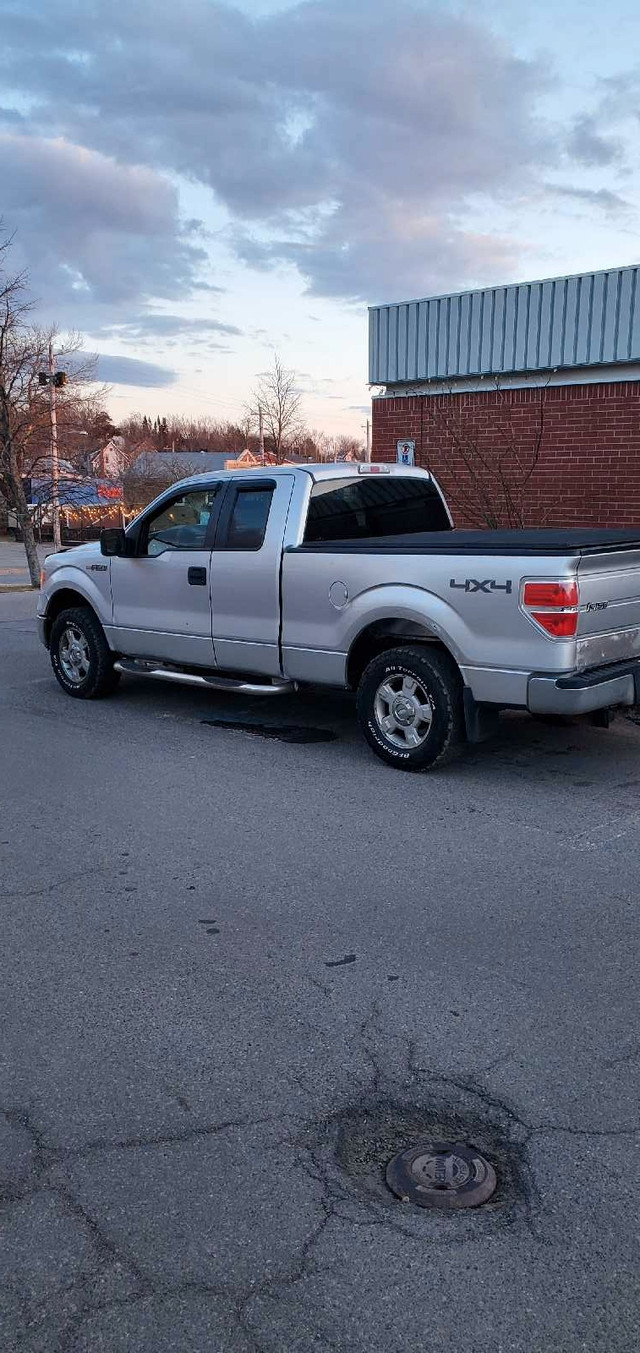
(587, 319)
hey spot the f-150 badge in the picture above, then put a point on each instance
(489, 585)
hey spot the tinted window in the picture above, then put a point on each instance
(387, 506)
(182, 523)
(249, 519)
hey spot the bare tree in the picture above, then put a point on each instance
(277, 395)
(197, 432)
(24, 404)
(21, 400)
(485, 469)
(348, 448)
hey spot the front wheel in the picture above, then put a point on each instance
(410, 708)
(80, 655)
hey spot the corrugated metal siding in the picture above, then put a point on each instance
(589, 320)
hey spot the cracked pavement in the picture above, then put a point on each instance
(239, 974)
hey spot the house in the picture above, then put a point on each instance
(250, 460)
(110, 462)
(152, 471)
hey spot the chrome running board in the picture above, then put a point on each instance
(234, 685)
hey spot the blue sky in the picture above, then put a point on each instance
(195, 186)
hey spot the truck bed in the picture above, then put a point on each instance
(574, 541)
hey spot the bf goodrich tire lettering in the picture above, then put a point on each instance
(416, 694)
(80, 628)
(391, 751)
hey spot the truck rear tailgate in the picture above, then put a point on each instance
(609, 624)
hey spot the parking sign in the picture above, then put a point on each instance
(406, 451)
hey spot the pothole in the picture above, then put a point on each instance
(379, 1150)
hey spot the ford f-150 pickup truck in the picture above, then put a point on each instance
(354, 577)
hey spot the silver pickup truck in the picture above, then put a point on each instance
(351, 577)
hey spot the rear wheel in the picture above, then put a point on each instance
(410, 708)
(80, 655)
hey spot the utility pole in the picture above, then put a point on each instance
(54, 379)
(261, 433)
(368, 427)
(55, 468)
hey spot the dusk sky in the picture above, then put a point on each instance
(194, 185)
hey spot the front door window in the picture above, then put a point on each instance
(182, 524)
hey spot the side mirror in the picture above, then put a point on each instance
(114, 542)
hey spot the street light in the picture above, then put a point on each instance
(55, 380)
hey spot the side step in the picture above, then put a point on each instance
(234, 685)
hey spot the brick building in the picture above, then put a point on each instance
(523, 400)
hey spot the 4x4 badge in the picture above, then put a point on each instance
(489, 585)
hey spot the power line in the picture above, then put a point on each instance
(206, 399)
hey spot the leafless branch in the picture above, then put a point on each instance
(487, 476)
(277, 395)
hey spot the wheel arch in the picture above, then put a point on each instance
(65, 599)
(386, 633)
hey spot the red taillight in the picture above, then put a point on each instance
(561, 625)
(554, 606)
(550, 594)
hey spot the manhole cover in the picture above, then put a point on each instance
(441, 1174)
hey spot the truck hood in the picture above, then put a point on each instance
(78, 554)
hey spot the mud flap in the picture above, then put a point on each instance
(480, 721)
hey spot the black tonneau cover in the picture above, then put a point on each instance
(573, 541)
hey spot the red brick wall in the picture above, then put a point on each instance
(587, 472)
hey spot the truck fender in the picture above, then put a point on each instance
(69, 579)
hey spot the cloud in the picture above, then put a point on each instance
(371, 259)
(588, 146)
(347, 139)
(603, 198)
(176, 326)
(620, 97)
(149, 328)
(355, 171)
(130, 371)
(10, 117)
(98, 236)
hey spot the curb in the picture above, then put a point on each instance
(17, 587)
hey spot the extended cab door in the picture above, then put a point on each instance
(162, 598)
(245, 574)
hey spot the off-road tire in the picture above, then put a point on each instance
(439, 677)
(101, 679)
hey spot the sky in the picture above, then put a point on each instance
(195, 186)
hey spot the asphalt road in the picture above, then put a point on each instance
(238, 973)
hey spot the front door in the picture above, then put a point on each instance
(162, 598)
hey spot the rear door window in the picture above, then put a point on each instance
(357, 509)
